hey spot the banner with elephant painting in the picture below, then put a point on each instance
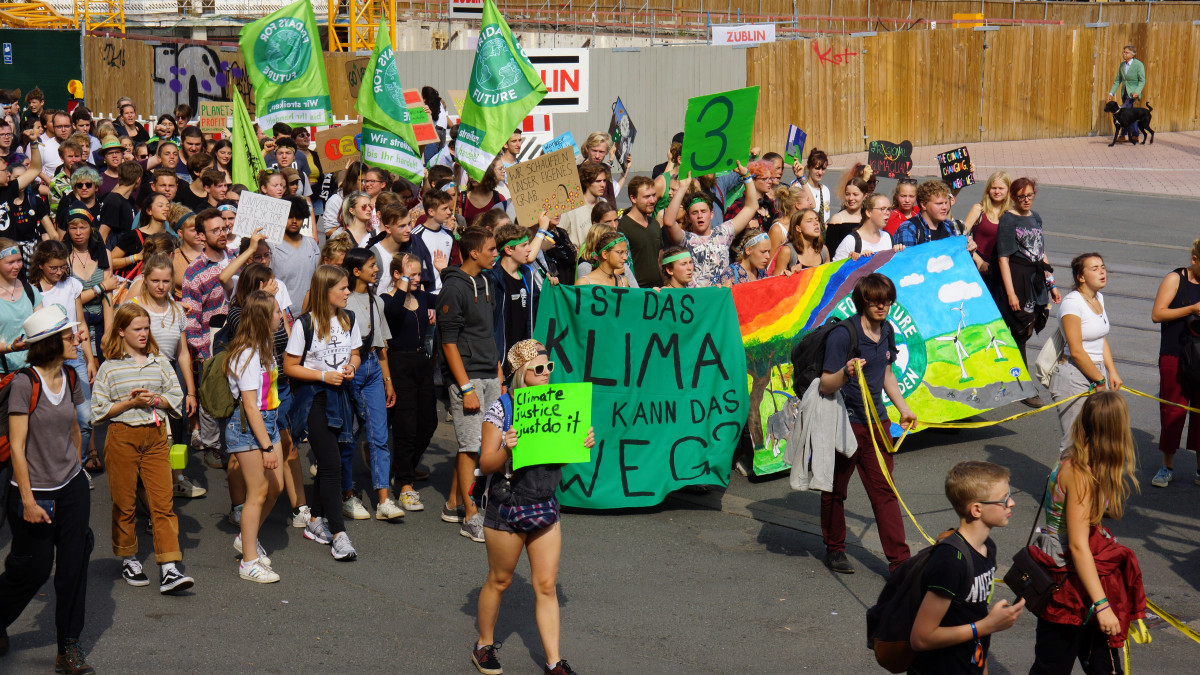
(956, 357)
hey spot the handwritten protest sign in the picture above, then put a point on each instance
(214, 116)
(955, 355)
(955, 167)
(422, 126)
(622, 132)
(794, 148)
(356, 69)
(255, 211)
(458, 97)
(669, 387)
(716, 131)
(890, 160)
(548, 183)
(339, 146)
(552, 422)
(566, 140)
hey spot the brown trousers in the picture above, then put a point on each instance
(131, 452)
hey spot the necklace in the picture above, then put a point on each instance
(12, 291)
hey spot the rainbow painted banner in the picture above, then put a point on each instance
(956, 357)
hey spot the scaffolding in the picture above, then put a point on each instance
(108, 15)
(32, 15)
(353, 23)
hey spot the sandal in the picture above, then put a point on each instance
(93, 464)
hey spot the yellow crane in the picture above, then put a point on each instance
(353, 23)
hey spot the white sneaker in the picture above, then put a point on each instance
(411, 501)
(318, 531)
(312, 469)
(301, 519)
(389, 510)
(342, 549)
(184, 487)
(235, 515)
(352, 508)
(262, 554)
(258, 572)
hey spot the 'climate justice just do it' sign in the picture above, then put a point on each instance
(552, 422)
(669, 395)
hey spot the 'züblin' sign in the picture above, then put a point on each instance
(565, 72)
(747, 34)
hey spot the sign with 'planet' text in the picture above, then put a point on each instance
(669, 396)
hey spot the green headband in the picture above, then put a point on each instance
(517, 242)
(614, 242)
(697, 200)
(682, 255)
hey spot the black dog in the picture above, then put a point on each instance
(1123, 118)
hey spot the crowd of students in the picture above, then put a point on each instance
(121, 279)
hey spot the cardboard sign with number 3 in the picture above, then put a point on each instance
(716, 131)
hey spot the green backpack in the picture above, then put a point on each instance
(213, 392)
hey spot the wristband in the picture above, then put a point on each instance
(466, 389)
(322, 377)
(543, 233)
(748, 178)
(974, 630)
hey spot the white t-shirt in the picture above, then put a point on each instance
(251, 376)
(329, 354)
(166, 329)
(437, 240)
(64, 293)
(1094, 327)
(845, 248)
(333, 208)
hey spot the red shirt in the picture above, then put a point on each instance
(895, 218)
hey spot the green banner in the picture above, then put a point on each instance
(551, 422)
(669, 396)
(716, 131)
(388, 151)
(504, 88)
(283, 57)
(381, 96)
(247, 156)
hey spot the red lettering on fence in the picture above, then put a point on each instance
(828, 57)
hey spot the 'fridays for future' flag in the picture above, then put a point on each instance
(247, 158)
(283, 56)
(504, 88)
(388, 141)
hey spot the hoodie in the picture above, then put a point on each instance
(465, 310)
(496, 275)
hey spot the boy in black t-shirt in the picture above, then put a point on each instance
(952, 629)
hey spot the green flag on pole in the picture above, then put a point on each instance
(247, 158)
(504, 88)
(381, 96)
(283, 56)
(381, 148)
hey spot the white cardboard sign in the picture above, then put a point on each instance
(255, 211)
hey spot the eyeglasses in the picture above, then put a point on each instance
(371, 181)
(1026, 196)
(85, 185)
(6, 133)
(880, 303)
(58, 268)
(1002, 502)
(543, 368)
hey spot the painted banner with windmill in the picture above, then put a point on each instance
(956, 358)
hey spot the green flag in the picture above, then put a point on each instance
(504, 88)
(381, 96)
(383, 149)
(247, 158)
(283, 56)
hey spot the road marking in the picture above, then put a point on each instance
(1150, 244)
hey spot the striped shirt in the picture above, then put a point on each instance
(118, 377)
(203, 297)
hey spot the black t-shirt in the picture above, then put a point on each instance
(140, 136)
(186, 197)
(836, 232)
(516, 310)
(20, 221)
(946, 574)
(408, 327)
(879, 357)
(117, 213)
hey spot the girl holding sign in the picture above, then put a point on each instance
(521, 513)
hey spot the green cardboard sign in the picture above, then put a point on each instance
(716, 131)
(552, 422)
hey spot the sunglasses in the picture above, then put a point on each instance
(84, 184)
(293, 182)
(907, 181)
(543, 368)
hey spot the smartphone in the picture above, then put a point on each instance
(46, 504)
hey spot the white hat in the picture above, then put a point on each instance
(45, 322)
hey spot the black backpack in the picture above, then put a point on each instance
(890, 621)
(808, 356)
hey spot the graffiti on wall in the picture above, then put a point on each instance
(194, 73)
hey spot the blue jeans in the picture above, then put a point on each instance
(1127, 102)
(368, 382)
(83, 411)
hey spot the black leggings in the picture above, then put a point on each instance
(324, 444)
(1058, 645)
(414, 417)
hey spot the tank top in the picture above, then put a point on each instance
(1055, 504)
(1174, 332)
(984, 234)
(93, 310)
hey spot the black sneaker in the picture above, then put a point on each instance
(485, 659)
(174, 581)
(836, 561)
(131, 571)
(562, 668)
(71, 661)
(3, 642)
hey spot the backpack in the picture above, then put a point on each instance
(35, 392)
(890, 621)
(213, 392)
(482, 486)
(808, 356)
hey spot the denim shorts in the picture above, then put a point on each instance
(237, 440)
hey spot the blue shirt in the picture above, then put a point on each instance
(879, 357)
(916, 230)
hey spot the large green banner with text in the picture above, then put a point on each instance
(669, 396)
(284, 60)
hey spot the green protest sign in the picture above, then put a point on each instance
(669, 392)
(283, 57)
(716, 131)
(388, 151)
(504, 87)
(381, 96)
(552, 422)
(247, 157)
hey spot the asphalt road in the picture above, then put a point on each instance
(728, 582)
